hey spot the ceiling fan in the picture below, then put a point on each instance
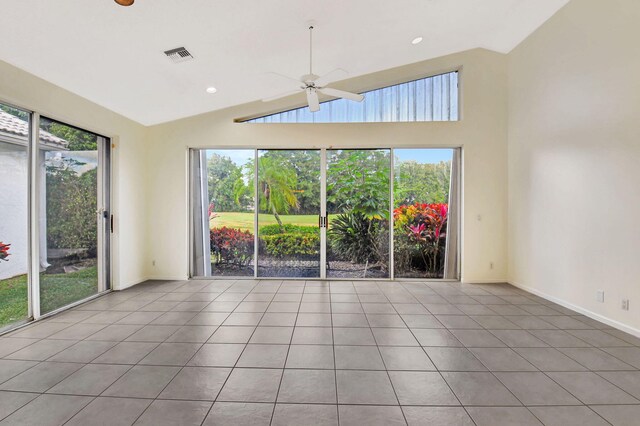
(312, 84)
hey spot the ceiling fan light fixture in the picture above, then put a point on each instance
(416, 40)
(125, 2)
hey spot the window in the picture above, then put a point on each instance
(427, 99)
(325, 213)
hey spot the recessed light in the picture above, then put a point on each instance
(211, 90)
(416, 40)
(125, 2)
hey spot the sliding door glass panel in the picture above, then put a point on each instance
(69, 216)
(358, 191)
(14, 216)
(288, 184)
(231, 211)
(422, 180)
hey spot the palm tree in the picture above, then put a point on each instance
(276, 185)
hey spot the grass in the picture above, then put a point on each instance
(244, 221)
(56, 291)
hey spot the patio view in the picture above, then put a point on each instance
(357, 206)
(68, 167)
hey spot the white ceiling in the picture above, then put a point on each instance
(113, 55)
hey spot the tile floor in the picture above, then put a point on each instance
(319, 353)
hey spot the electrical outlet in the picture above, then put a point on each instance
(600, 296)
(625, 304)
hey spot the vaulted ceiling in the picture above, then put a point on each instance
(113, 55)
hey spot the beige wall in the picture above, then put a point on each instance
(482, 133)
(574, 159)
(129, 201)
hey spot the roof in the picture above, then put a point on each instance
(15, 126)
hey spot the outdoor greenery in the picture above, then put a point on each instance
(57, 290)
(359, 239)
(231, 246)
(358, 191)
(420, 182)
(71, 206)
(420, 238)
(227, 190)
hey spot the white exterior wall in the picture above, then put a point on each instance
(14, 208)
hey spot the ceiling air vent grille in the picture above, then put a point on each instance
(178, 55)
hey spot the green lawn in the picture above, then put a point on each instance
(57, 290)
(245, 220)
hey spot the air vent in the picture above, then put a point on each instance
(179, 55)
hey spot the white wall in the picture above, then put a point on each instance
(129, 200)
(13, 208)
(482, 133)
(574, 158)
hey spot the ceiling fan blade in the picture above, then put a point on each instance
(286, 77)
(342, 94)
(331, 76)
(281, 95)
(312, 99)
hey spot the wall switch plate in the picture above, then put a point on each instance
(625, 304)
(600, 296)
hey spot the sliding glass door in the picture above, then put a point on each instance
(422, 201)
(72, 214)
(329, 213)
(54, 215)
(358, 202)
(288, 186)
(14, 216)
(230, 211)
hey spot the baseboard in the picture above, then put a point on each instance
(613, 323)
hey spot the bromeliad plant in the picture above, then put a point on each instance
(420, 235)
(4, 251)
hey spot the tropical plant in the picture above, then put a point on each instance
(4, 251)
(420, 236)
(276, 187)
(358, 182)
(359, 239)
(231, 246)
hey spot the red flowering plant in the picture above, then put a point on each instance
(420, 236)
(4, 251)
(231, 246)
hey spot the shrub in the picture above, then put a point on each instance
(232, 246)
(420, 237)
(292, 244)
(4, 251)
(287, 229)
(359, 239)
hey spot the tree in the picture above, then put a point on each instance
(71, 206)
(276, 187)
(226, 185)
(358, 182)
(421, 182)
(79, 140)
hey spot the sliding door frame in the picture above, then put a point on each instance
(323, 211)
(34, 231)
